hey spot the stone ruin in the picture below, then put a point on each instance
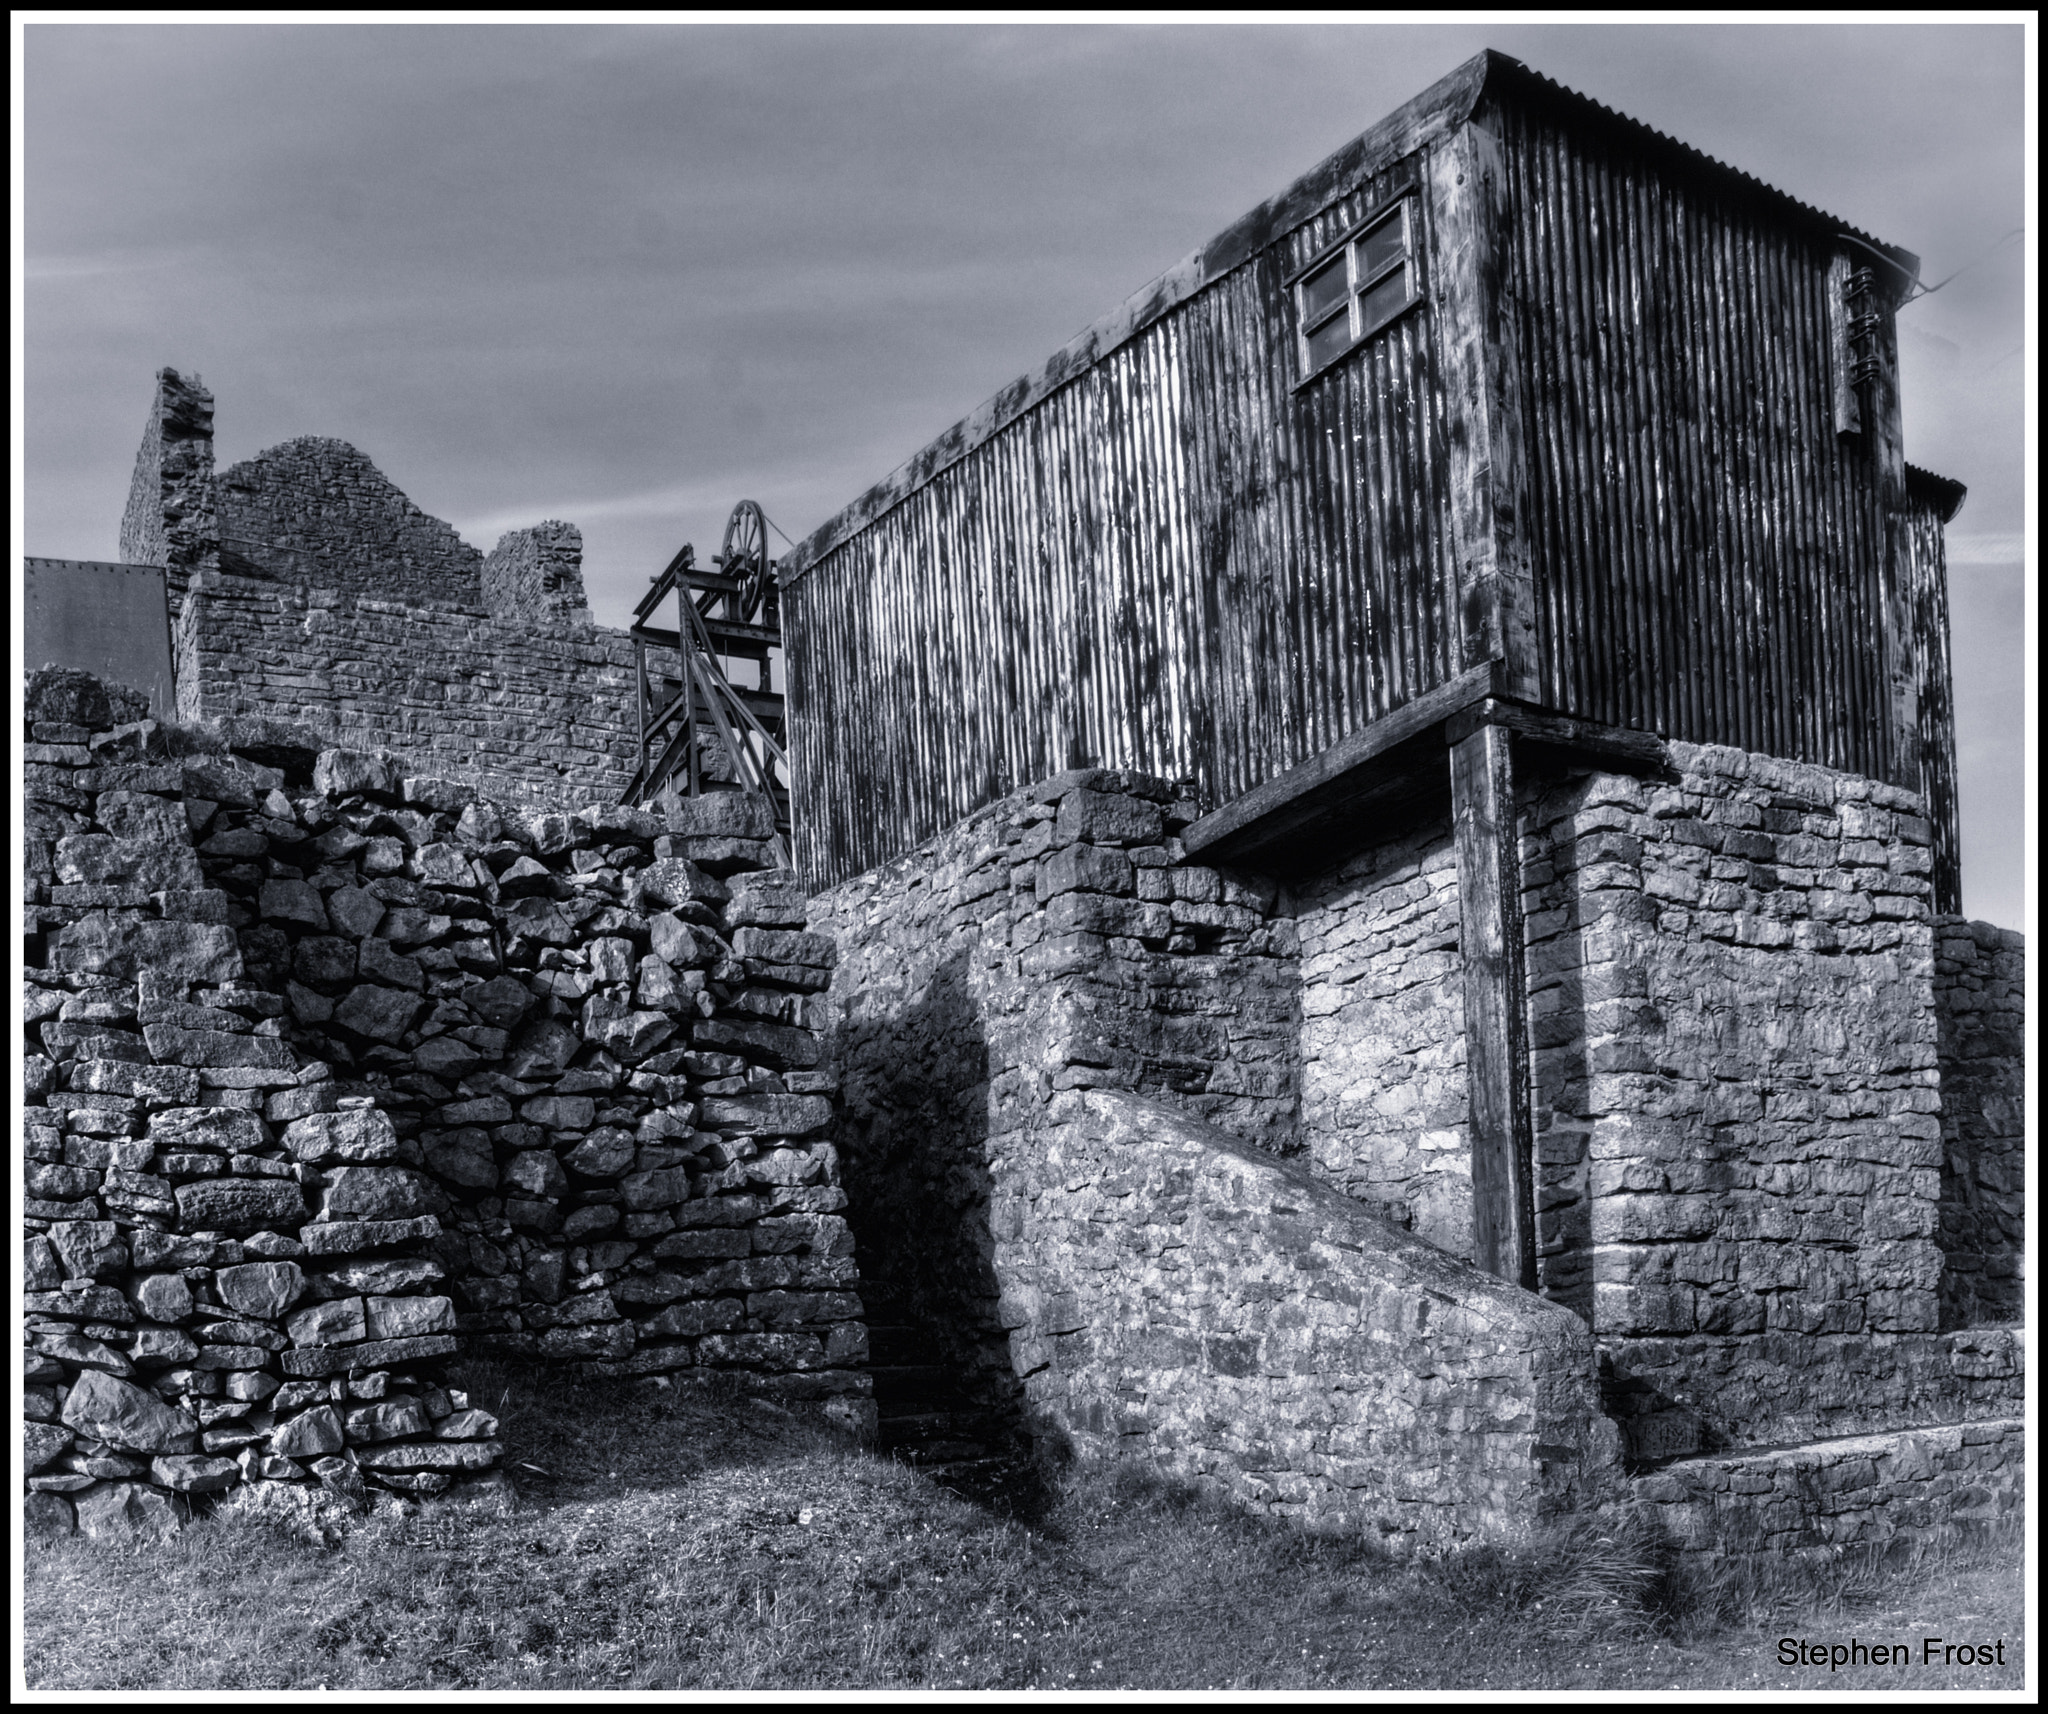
(363, 1028)
(332, 1070)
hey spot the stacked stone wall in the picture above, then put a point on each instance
(1054, 941)
(1221, 1313)
(1383, 1105)
(204, 1307)
(550, 1079)
(1731, 979)
(540, 716)
(1733, 1023)
(535, 577)
(171, 517)
(1891, 1497)
(1981, 1019)
(317, 511)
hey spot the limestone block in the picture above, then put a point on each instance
(356, 1134)
(240, 1204)
(104, 1407)
(378, 1194)
(409, 1317)
(117, 1510)
(381, 1014)
(732, 815)
(261, 1290)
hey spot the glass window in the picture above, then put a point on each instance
(1346, 297)
(1324, 290)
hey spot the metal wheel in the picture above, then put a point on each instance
(744, 556)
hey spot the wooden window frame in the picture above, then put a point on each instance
(1357, 285)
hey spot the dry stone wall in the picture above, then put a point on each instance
(317, 511)
(550, 1080)
(1981, 1020)
(219, 1289)
(539, 716)
(535, 577)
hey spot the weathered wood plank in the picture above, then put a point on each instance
(1480, 371)
(1618, 744)
(1484, 828)
(1332, 774)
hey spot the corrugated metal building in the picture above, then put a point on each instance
(1512, 397)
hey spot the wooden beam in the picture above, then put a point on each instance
(1325, 781)
(1484, 827)
(1477, 316)
(1621, 745)
(1888, 467)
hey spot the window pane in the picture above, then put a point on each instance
(1322, 289)
(1328, 340)
(1383, 300)
(1383, 244)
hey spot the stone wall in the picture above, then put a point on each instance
(564, 1064)
(171, 518)
(1180, 1297)
(1053, 941)
(535, 577)
(531, 715)
(211, 1295)
(1891, 1496)
(1383, 1110)
(317, 511)
(1731, 981)
(305, 587)
(1981, 1021)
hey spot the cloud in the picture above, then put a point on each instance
(1986, 550)
(77, 267)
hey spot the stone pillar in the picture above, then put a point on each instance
(171, 516)
(535, 577)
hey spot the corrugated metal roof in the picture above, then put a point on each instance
(1446, 104)
(1944, 493)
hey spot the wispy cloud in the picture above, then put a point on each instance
(712, 494)
(1986, 550)
(77, 267)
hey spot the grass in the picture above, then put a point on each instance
(681, 1540)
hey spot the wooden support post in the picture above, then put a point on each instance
(1496, 1018)
(1477, 317)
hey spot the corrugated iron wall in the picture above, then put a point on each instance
(1925, 557)
(1175, 563)
(1708, 552)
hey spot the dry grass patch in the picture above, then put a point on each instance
(668, 1539)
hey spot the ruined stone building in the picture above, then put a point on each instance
(1383, 832)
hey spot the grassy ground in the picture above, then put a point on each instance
(682, 1541)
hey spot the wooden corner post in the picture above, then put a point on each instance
(1496, 1017)
(1474, 290)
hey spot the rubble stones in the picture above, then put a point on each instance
(353, 1039)
(119, 1510)
(261, 1290)
(107, 1408)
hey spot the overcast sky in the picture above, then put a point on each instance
(627, 274)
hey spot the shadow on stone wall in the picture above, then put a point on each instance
(914, 1139)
